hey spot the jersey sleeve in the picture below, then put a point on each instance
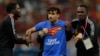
(40, 26)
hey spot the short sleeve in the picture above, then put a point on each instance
(40, 26)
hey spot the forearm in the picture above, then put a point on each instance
(30, 31)
(41, 34)
(20, 41)
(69, 35)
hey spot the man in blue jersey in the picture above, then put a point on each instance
(55, 38)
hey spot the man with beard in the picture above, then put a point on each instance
(7, 30)
(85, 33)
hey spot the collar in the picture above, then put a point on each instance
(11, 16)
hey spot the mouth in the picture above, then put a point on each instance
(50, 18)
(80, 16)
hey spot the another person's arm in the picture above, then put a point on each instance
(28, 34)
(77, 34)
(38, 27)
(68, 31)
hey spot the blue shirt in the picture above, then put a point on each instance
(55, 40)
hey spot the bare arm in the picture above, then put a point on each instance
(43, 32)
(28, 34)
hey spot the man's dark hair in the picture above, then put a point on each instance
(10, 7)
(82, 5)
(54, 9)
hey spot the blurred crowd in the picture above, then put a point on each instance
(34, 11)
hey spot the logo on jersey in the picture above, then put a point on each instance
(53, 31)
(52, 42)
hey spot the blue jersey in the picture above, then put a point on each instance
(55, 40)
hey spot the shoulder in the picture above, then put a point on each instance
(43, 22)
(6, 19)
(91, 21)
(6, 22)
(74, 20)
(62, 22)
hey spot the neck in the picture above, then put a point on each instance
(14, 16)
(11, 14)
(54, 22)
(83, 19)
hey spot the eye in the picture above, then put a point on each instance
(52, 13)
(80, 11)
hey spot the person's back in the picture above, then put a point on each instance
(6, 39)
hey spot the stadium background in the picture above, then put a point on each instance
(34, 11)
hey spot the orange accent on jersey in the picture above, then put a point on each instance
(53, 31)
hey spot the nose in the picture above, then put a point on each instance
(19, 10)
(79, 14)
(50, 15)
